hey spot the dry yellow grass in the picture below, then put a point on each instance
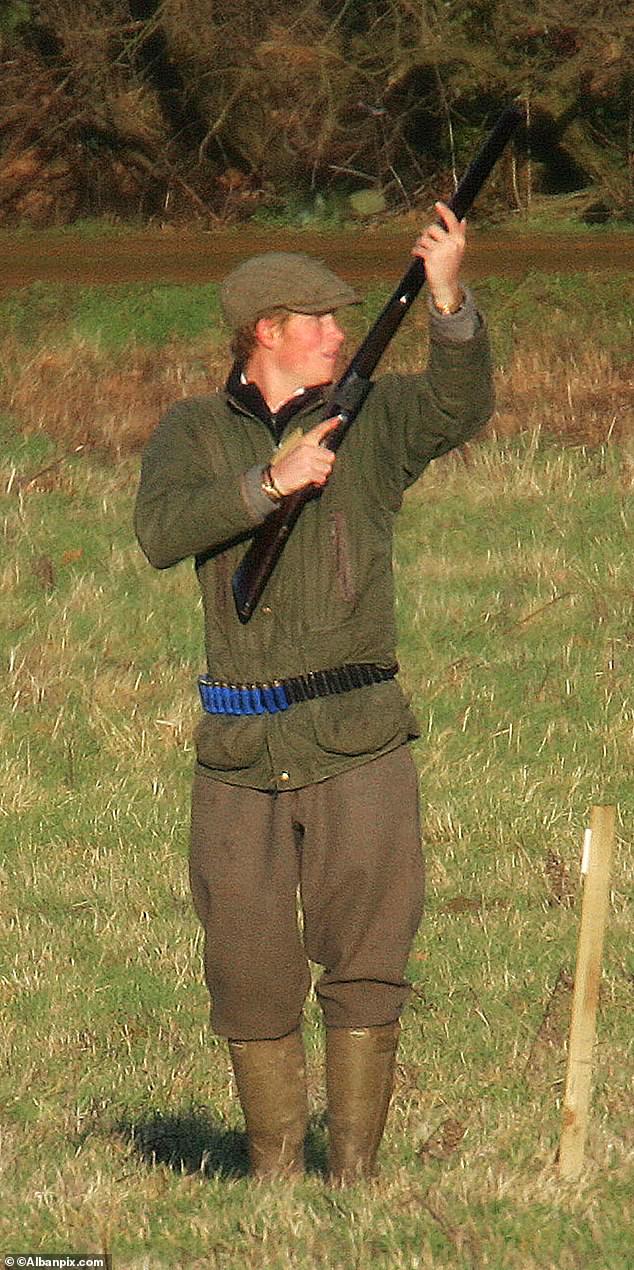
(83, 397)
(584, 399)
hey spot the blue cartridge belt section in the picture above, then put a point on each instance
(219, 697)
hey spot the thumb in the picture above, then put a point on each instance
(323, 429)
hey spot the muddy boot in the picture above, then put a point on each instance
(271, 1080)
(359, 1079)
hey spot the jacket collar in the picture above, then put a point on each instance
(247, 397)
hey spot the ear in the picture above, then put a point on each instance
(266, 329)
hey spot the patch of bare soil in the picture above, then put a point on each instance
(368, 256)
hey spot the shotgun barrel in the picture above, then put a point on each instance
(348, 395)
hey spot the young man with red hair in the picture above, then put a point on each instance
(309, 792)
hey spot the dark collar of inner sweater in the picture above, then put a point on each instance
(248, 395)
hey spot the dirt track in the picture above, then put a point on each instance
(169, 256)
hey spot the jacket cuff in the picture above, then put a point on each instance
(456, 327)
(258, 504)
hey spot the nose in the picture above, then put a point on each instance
(332, 328)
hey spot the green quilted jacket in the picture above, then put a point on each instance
(330, 600)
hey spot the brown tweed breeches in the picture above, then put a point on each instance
(331, 874)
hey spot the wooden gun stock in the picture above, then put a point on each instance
(269, 540)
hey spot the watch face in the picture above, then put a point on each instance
(448, 310)
(269, 488)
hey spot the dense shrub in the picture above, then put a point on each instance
(174, 108)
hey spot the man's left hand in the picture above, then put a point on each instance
(441, 247)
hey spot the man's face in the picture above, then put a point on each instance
(307, 347)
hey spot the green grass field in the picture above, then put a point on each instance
(120, 1126)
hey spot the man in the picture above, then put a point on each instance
(317, 800)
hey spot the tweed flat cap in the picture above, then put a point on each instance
(281, 280)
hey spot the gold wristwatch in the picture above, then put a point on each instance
(269, 487)
(448, 309)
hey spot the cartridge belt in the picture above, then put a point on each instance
(218, 697)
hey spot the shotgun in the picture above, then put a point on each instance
(350, 392)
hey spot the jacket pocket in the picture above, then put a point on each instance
(364, 721)
(227, 743)
(340, 542)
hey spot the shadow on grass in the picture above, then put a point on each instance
(192, 1142)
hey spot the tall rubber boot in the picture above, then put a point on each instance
(271, 1081)
(359, 1082)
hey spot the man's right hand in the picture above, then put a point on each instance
(308, 463)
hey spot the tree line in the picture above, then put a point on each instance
(182, 109)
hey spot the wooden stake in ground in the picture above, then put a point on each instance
(594, 910)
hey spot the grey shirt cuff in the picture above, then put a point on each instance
(457, 327)
(258, 504)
